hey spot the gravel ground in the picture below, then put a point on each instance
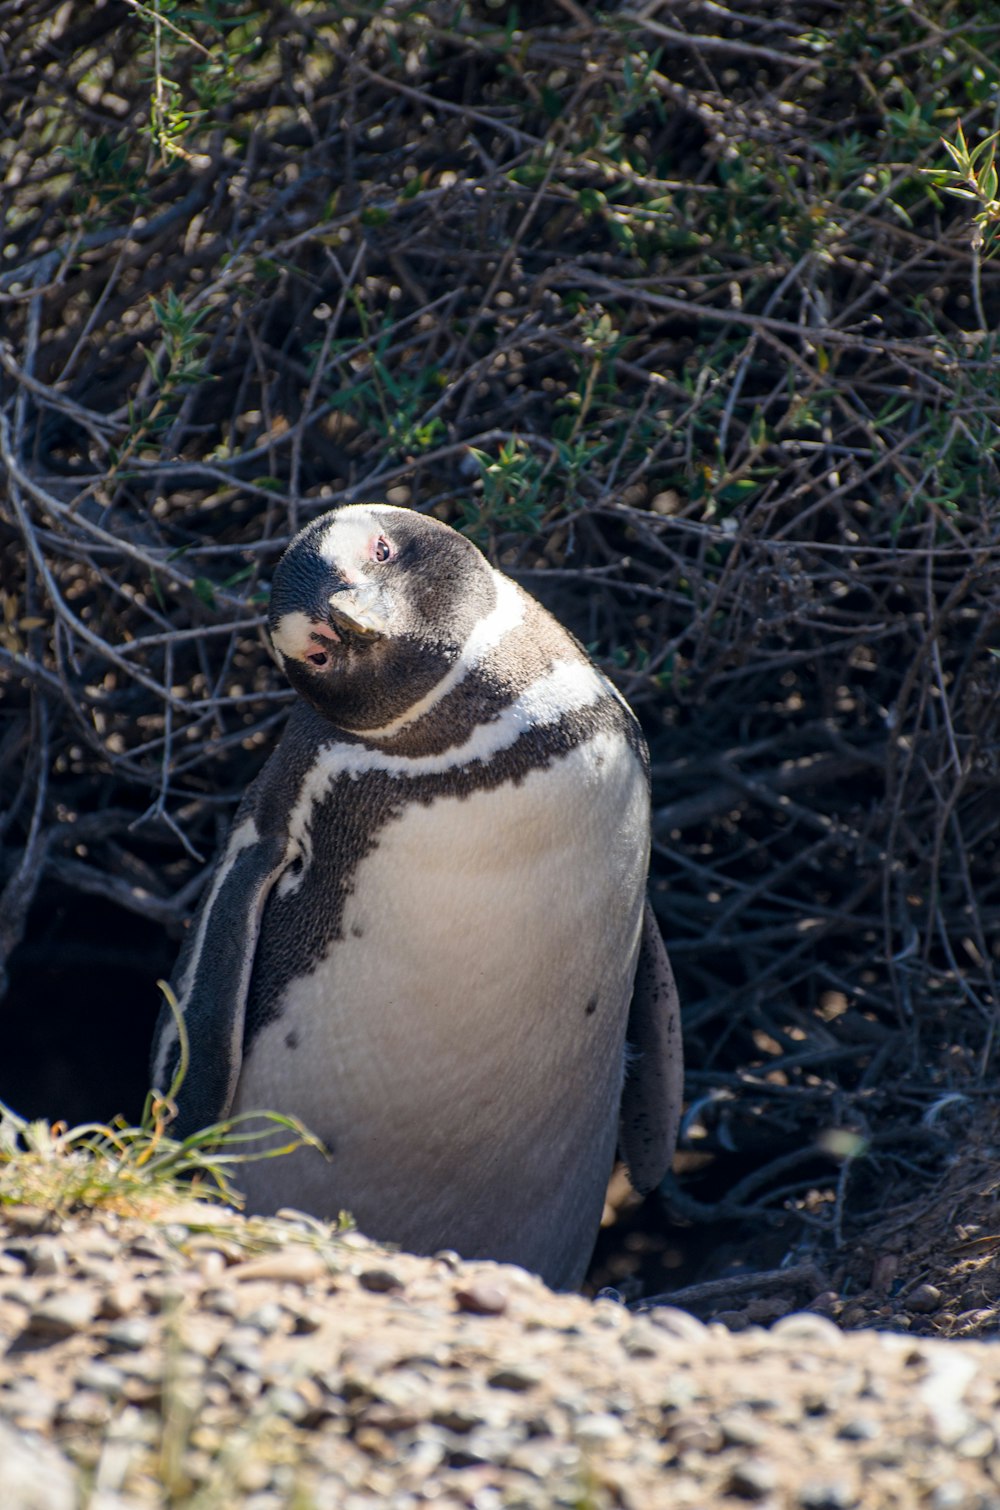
(195, 1358)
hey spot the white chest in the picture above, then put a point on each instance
(471, 1016)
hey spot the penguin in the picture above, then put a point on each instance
(428, 936)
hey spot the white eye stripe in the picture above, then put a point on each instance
(347, 538)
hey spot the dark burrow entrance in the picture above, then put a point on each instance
(78, 1015)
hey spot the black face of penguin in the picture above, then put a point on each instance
(370, 607)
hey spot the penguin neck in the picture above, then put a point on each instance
(515, 649)
(506, 615)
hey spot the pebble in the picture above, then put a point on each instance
(148, 1245)
(948, 1497)
(289, 1403)
(266, 1319)
(641, 1341)
(63, 1314)
(515, 1378)
(859, 1429)
(978, 1442)
(97, 1243)
(608, 1313)
(215, 1247)
(835, 1495)
(389, 1418)
(30, 1404)
(128, 1336)
(34, 1475)
(733, 1321)
(752, 1479)
(26, 1218)
(769, 1308)
(379, 1281)
(484, 1445)
(211, 1264)
(245, 1387)
(458, 1418)
(44, 1257)
(676, 1392)
(145, 1366)
(741, 1428)
(925, 1299)
(306, 1320)
(211, 1214)
(807, 1327)
(104, 1377)
(692, 1434)
(595, 1430)
(200, 1335)
(163, 1295)
(481, 1299)
(241, 1348)
(120, 1300)
(678, 1323)
(220, 1302)
(87, 1407)
(295, 1264)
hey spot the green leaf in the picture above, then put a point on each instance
(592, 201)
(529, 175)
(738, 492)
(205, 591)
(551, 103)
(979, 153)
(959, 158)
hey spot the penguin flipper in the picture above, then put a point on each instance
(213, 978)
(654, 1075)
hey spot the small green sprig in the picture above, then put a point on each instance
(974, 176)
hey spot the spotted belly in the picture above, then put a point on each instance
(459, 1046)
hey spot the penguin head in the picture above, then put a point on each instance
(371, 606)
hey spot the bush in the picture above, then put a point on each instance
(667, 316)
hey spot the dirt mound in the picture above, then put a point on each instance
(188, 1358)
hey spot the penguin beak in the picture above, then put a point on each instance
(355, 611)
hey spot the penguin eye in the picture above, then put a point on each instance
(318, 658)
(382, 550)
